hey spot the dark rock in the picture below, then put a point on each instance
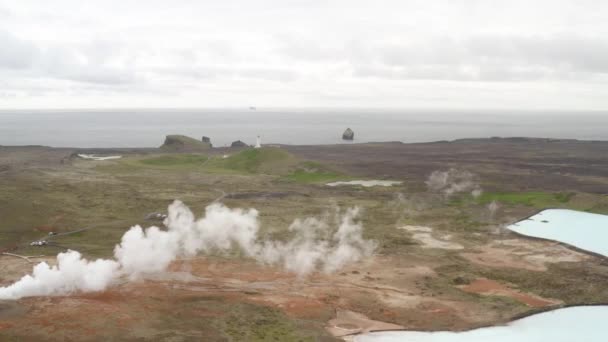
(238, 143)
(181, 143)
(206, 140)
(348, 134)
(461, 280)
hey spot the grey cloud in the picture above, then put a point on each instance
(430, 72)
(326, 49)
(468, 73)
(438, 51)
(5, 13)
(83, 64)
(16, 53)
(560, 51)
(101, 75)
(270, 74)
(489, 58)
(7, 95)
(301, 48)
(25, 59)
(214, 72)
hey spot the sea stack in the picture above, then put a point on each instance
(238, 143)
(348, 134)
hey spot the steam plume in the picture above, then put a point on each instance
(493, 208)
(316, 245)
(453, 181)
(72, 274)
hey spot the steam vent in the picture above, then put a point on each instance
(348, 134)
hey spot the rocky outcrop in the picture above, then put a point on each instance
(348, 134)
(207, 140)
(182, 143)
(238, 143)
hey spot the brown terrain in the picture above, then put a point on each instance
(442, 263)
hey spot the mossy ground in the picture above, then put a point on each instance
(177, 160)
(111, 196)
(535, 199)
(253, 160)
(311, 172)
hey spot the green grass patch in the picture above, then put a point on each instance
(534, 199)
(175, 160)
(254, 160)
(168, 162)
(564, 197)
(303, 176)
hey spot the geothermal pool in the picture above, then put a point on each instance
(581, 323)
(98, 158)
(365, 183)
(579, 229)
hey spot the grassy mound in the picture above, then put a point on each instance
(175, 160)
(268, 160)
(177, 143)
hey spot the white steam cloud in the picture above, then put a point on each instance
(453, 181)
(72, 274)
(311, 248)
(316, 245)
(493, 208)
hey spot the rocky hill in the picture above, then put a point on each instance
(182, 143)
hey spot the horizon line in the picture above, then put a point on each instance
(309, 108)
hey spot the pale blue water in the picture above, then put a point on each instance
(147, 128)
(580, 229)
(575, 324)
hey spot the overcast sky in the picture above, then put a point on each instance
(460, 54)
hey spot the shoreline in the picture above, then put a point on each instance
(510, 139)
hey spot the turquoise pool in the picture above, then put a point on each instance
(580, 229)
(575, 324)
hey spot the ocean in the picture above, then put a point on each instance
(147, 127)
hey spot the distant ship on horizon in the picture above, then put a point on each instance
(252, 108)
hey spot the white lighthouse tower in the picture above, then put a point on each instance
(258, 142)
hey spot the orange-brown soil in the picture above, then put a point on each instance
(371, 291)
(199, 296)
